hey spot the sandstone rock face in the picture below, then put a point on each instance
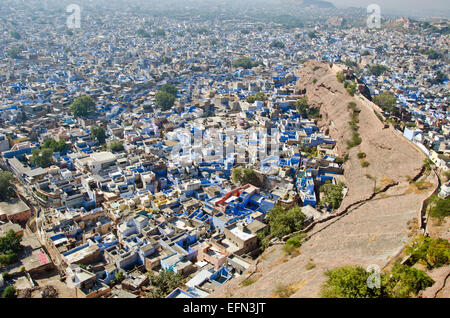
(441, 287)
(373, 231)
(391, 157)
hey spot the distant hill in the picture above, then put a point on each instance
(311, 3)
(317, 4)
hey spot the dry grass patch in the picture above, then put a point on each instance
(284, 291)
(282, 260)
(409, 190)
(384, 181)
(250, 280)
(413, 227)
(310, 266)
(421, 186)
(291, 250)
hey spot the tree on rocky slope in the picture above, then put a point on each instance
(356, 282)
(283, 222)
(6, 188)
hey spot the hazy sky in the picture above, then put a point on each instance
(434, 7)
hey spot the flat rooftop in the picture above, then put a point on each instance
(12, 207)
(103, 156)
(242, 235)
(4, 228)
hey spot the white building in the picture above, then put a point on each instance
(101, 160)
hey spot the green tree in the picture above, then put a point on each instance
(9, 292)
(407, 281)
(418, 248)
(432, 54)
(22, 117)
(250, 177)
(377, 70)
(142, 33)
(433, 252)
(340, 77)
(236, 175)
(99, 133)
(15, 35)
(119, 277)
(82, 106)
(6, 187)
(439, 78)
(438, 253)
(302, 106)
(164, 283)
(294, 242)
(283, 222)
(309, 152)
(9, 247)
(333, 195)
(173, 90)
(42, 157)
(14, 53)
(245, 62)
(260, 96)
(166, 60)
(159, 33)
(164, 100)
(6, 276)
(263, 239)
(312, 34)
(55, 146)
(277, 44)
(246, 176)
(350, 88)
(351, 282)
(305, 110)
(116, 146)
(387, 102)
(350, 63)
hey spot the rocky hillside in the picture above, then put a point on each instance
(378, 215)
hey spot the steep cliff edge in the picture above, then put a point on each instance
(391, 157)
(370, 232)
